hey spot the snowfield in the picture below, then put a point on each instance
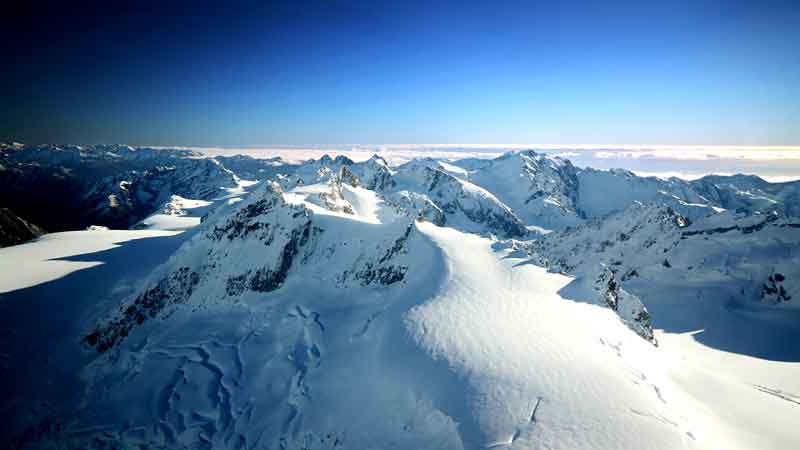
(57, 255)
(539, 370)
(472, 304)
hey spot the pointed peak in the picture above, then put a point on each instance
(377, 159)
(344, 160)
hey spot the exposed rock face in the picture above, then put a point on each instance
(477, 205)
(15, 230)
(252, 248)
(115, 201)
(334, 200)
(627, 306)
(646, 244)
(375, 174)
(419, 206)
(751, 224)
(623, 244)
(176, 287)
(383, 270)
(345, 175)
(774, 291)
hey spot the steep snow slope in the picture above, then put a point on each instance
(659, 244)
(540, 371)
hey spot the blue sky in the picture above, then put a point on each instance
(256, 73)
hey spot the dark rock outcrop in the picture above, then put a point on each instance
(16, 230)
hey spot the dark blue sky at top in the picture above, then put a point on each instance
(263, 73)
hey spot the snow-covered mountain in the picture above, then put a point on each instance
(550, 192)
(542, 189)
(750, 193)
(519, 302)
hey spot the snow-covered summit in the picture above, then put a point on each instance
(541, 189)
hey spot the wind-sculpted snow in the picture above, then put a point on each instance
(541, 371)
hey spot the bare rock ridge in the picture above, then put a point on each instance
(16, 230)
